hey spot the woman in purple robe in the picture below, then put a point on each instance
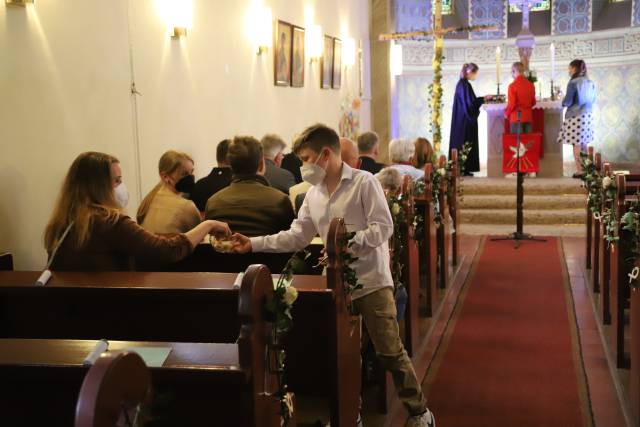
(464, 121)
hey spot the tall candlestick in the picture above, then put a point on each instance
(552, 50)
(498, 59)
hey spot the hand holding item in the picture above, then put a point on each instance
(219, 229)
(223, 245)
(241, 244)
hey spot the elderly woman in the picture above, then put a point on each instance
(401, 154)
(391, 180)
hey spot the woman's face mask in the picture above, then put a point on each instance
(122, 195)
(313, 173)
(186, 184)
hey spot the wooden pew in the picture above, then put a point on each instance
(595, 249)
(116, 383)
(452, 200)
(323, 346)
(428, 246)
(443, 235)
(618, 283)
(590, 152)
(6, 261)
(206, 384)
(634, 375)
(205, 259)
(410, 271)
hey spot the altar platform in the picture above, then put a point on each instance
(548, 117)
(552, 206)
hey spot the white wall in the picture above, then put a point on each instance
(65, 75)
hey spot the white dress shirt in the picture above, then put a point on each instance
(358, 199)
(414, 173)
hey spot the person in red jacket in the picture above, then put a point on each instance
(522, 98)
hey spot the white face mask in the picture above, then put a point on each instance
(122, 195)
(312, 173)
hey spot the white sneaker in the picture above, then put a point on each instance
(424, 420)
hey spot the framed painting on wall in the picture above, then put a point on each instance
(337, 64)
(282, 54)
(326, 74)
(297, 57)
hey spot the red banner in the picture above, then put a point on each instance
(538, 126)
(530, 144)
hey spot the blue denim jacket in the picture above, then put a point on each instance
(574, 109)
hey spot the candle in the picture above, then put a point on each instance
(498, 59)
(552, 50)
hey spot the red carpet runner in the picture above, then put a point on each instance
(509, 357)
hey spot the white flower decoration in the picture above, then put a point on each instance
(442, 171)
(395, 209)
(606, 182)
(290, 295)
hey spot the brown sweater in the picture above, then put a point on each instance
(113, 246)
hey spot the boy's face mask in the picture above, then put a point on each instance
(313, 173)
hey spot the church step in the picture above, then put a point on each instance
(531, 201)
(574, 230)
(531, 216)
(506, 186)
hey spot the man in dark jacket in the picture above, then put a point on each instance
(368, 146)
(273, 147)
(249, 205)
(219, 178)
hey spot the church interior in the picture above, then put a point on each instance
(346, 213)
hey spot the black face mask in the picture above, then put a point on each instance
(186, 184)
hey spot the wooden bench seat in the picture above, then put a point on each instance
(205, 384)
(323, 346)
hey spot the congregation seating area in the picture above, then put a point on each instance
(612, 260)
(213, 323)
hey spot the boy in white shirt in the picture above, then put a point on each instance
(340, 191)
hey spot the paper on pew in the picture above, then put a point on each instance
(154, 357)
(317, 241)
(238, 282)
(621, 172)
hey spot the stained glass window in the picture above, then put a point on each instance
(537, 6)
(447, 6)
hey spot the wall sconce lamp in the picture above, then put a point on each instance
(395, 59)
(261, 27)
(348, 51)
(18, 2)
(177, 15)
(314, 42)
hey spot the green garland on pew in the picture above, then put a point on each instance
(601, 193)
(399, 216)
(592, 182)
(631, 222)
(419, 189)
(284, 295)
(349, 277)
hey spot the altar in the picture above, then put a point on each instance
(551, 114)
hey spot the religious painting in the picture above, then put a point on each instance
(282, 54)
(297, 58)
(337, 64)
(326, 68)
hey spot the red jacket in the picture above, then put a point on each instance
(522, 97)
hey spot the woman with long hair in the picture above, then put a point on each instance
(424, 153)
(164, 210)
(577, 129)
(87, 230)
(464, 121)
